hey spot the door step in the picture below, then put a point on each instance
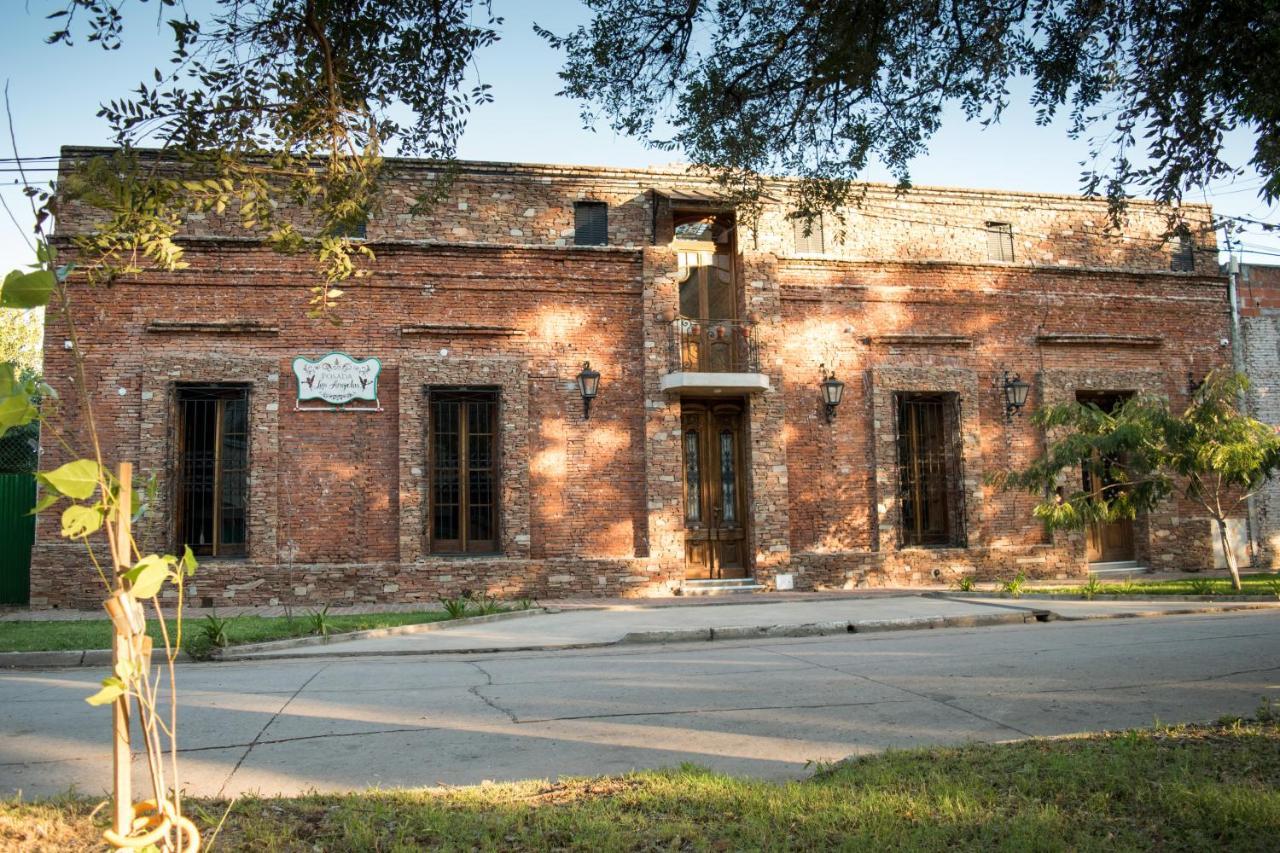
(1117, 567)
(720, 586)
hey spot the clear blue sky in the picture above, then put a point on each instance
(55, 92)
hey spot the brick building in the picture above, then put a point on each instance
(708, 456)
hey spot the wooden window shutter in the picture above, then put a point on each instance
(590, 223)
(1184, 254)
(811, 243)
(999, 241)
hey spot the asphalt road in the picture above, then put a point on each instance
(762, 707)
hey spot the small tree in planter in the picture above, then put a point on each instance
(1141, 453)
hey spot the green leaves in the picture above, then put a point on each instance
(17, 398)
(76, 480)
(79, 521)
(1126, 460)
(27, 290)
(112, 689)
(188, 561)
(150, 573)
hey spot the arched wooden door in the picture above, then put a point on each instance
(714, 495)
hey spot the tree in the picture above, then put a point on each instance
(20, 336)
(268, 101)
(1141, 453)
(815, 89)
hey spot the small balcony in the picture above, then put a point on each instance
(713, 357)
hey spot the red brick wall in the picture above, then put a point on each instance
(485, 289)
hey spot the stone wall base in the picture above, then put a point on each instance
(66, 579)
(853, 569)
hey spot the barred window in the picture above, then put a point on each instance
(811, 243)
(930, 485)
(999, 241)
(590, 223)
(213, 468)
(463, 460)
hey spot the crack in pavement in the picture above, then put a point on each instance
(924, 696)
(608, 679)
(474, 690)
(274, 717)
(690, 711)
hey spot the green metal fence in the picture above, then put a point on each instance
(17, 533)
(19, 454)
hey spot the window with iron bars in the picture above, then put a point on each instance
(464, 465)
(930, 481)
(213, 468)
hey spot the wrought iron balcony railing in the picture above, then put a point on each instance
(713, 346)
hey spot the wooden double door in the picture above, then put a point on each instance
(714, 489)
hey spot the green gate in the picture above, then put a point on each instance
(18, 458)
(17, 533)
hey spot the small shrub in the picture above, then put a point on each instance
(1202, 586)
(527, 603)
(1268, 710)
(489, 606)
(1091, 588)
(1015, 585)
(319, 620)
(455, 607)
(1274, 584)
(1126, 588)
(197, 645)
(214, 630)
(965, 584)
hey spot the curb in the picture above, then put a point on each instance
(239, 652)
(280, 649)
(65, 659)
(817, 629)
(102, 657)
(1061, 596)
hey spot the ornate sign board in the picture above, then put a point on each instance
(337, 379)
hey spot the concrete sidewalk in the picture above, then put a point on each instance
(636, 623)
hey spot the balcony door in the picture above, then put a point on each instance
(714, 497)
(711, 340)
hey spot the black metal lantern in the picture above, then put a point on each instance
(832, 393)
(1015, 395)
(589, 386)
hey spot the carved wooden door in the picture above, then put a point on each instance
(714, 497)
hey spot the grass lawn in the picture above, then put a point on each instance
(1182, 788)
(1253, 584)
(96, 633)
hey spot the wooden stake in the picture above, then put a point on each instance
(121, 650)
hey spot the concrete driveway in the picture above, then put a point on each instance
(762, 707)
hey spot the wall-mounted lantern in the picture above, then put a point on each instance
(589, 386)
(1015, 395)
(832, 393)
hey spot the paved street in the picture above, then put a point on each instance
(761, 707)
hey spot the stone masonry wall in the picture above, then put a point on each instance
(1258, 289)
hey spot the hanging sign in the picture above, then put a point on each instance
(338, 379)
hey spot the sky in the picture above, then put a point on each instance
(54, 93)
